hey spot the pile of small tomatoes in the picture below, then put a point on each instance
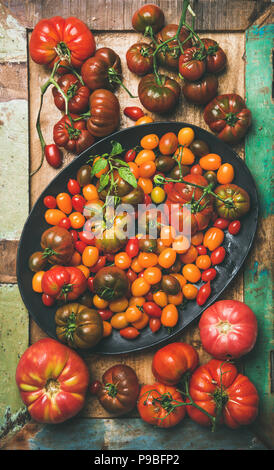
(140, 281)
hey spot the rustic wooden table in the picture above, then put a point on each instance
(244, 30)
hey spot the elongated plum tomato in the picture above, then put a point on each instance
(53, 155)
(172, 361)
(52, 380)
(228, 329)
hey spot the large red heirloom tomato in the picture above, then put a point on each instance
(228, 328)
(172, 361)
(57, 37)
(52, 380)
(220, 390)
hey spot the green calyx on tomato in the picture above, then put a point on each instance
(231, 119)
(111, 389)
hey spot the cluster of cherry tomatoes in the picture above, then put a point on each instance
(150, 277)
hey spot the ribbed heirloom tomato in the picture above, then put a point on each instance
(52, 380)
(172, 361)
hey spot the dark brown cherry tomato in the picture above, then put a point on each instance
(170, 285)
(84, 175)
(158, 97)
(50, 202)
(234, 227)
(73, 187)
(139, 58)
(202, 91)
(203, 293)
(192, 63)
(211, 178)
(199, 148)
(165, 163)
(218, 255)
(175, 172)
(209, 274)
(221, 223)
(168, 55)
(111, 283)
(95, 387)
(148, 16)
(77, 94)
(53, 155)
(154, 324)
(37, 261)
(215, 56)
(129, 332)
(152, 309)
(134, 113)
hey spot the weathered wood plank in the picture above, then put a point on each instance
(8, 252)
(232, 80)
(258, 274)
(129, 434)
(104, 15)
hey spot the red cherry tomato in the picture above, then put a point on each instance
(234, 227)
(147, 199)
(50, 202)
(48, 300)
(132, 247)
(203, 294)
(65, 223)
(130, 156)
(98, 265)
(221, 223)
(209, 274)
(78, 203)
(53, 155)
(201, 249)
(152, 309)
(155, 324)
(73, 187)
(133, 112)
(218, 255)
(131, 275)
(196, 170)
(130, 332)
(105, 314)
(74, 235)
(87, 237)
(90, 284)
(80, 246)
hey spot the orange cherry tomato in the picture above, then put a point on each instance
(191, 273)
(119, 321)
(203, 262)
(190, 291)
(225, 174)
(90, 256)
(77, 220)
(122, 260)
(144, 156)
(142, 323)
(134, 169)
(64, 203)
(99, 302)
(186, 136)
(147, 260)
(84, 270)
(197, 239)
(140, 287)
(133, 314)
(147, 169)
(76, 259)
(53, 216)
(144, 120)
(212, 162)
(37, 281)
(135, 266)
(168, 143)
(146, 185)
(170, 316)
(139, 301)
(181, 244)
(101, 172)
(167, 235)
(167, 258)
(107, 329)
(175, 299)
(180, 278)
(185, 156)
(150, 141)
(160, 298)
(90, 192)
(153, 275)
(190, 256)
(118, 305)
(213, 238)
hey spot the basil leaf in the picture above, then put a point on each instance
(126, 174)
(103, 182)
(121, 162)
(98, 166)
(116, 148)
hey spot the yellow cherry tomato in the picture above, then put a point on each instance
(90, 192)
(139, 301)
(140, 287)
(107, 329)
(225, 174)
(133, 314)
(142, 323)
(118, 305)
(181, 244)
(190, 291)
(144, 156)
(77, 220)
(213, 238)
(90, 256)
(153, 275)
(160, 298)
(84, 270)
(191, 273)
(167, 258)
(170, 316)
(37, 281)
(158, 195)
(144, 120)
(175, 299)
(167, 235)
(64, 203)
(185, 156)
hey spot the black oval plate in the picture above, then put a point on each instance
(236, 246)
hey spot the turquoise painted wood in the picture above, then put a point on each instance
(257, 275)
(133, 434)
